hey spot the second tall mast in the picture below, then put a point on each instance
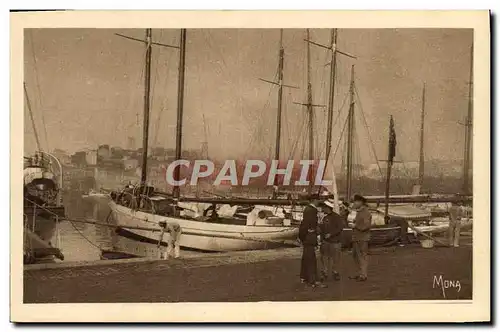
(280, 97)
(310, 112)
(350, 138)
(147, 98)
(421, 157)
(180, 108)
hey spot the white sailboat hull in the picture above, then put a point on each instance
(206, 236)
(442, 225)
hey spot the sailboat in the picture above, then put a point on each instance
(42, 201)
(440, 223)
(213, 230)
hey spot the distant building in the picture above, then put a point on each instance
(158, 152)
(129, 164)
(117, 152)
(112, 164)
(131, 143)
(91, 157)
(103, 152)
(62, 156)
(79, 159)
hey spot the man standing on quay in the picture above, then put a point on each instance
(331, 231)
(361, 236)
(308, 235)
(455, 214)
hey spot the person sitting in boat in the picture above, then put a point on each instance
(211, 212)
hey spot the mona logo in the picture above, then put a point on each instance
(439, 282)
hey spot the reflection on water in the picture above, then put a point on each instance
(79, 241)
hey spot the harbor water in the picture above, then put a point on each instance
(80, 241)
(84, 241)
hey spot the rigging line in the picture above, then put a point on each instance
(357, 157)
(300, 131)
(341, 135)
(372, 145)
(292, 131)
(336, 120)
(302, 152)
(217, 49)
(152, 97)
(399, 184)
(298, 138)
(406, 171)
(256, 136)
(37, 83)
(82, 235)
(211, 47)
(31, 116)
(164, 101)
(285, 124)
(133, 100)
(340, 109)
(258, 128)
(304, 132)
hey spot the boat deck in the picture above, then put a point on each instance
(395, 273)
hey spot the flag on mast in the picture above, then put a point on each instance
(392, 141)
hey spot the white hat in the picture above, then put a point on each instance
(329, 203)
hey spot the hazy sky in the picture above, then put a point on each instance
(89, 83)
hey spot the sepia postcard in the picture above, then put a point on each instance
(250, 166)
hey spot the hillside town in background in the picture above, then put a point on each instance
(115, 165)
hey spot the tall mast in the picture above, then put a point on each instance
(31, 117)
(350, 137)
(147, 97)
(280, 84)
(180, 107)
(421, 158)
(310, 112)
(310, 104)
(333, 63)
(204, 145)
(280, 97)
(468, 128)
(145, 127)
(333, 68)
(391, 152)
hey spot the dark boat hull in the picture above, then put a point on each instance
(40, 228)
(43, 221)
(379, 235)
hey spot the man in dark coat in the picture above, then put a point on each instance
(308, 236)
(331, 235)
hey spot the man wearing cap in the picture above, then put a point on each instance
(361, 236)
(308, 236)
(331, 231)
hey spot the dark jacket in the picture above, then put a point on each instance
(344, 214)
(308, 227)
(362, 225)
(331, 228)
